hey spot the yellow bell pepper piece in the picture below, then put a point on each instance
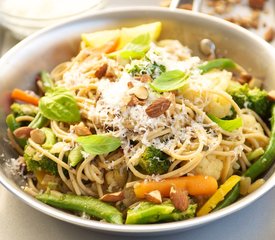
(219, 195)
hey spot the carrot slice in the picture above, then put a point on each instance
(194, 185)
(21, 95)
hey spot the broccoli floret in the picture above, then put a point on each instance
(35, 162)
(255, 99)
(140, 67)
(24, 109)
(147, 212)
(154, 161)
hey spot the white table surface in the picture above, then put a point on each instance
(20, 222)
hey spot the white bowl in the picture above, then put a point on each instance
(49, 47)
(23, 18)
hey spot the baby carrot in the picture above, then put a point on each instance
(194, 185)
(21, 95)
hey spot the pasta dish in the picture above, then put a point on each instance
(137, 130)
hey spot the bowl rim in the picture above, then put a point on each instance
(148, 228)
(93, 6)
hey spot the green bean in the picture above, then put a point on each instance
(221, 63)
(258, 167)
(255, 154)
(12, 125)
(39, 121)
(88, 205)
(267, 159)
(231, 197)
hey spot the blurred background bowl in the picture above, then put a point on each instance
(23, 18)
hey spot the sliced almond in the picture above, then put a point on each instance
(110, 73)
(271, 95)
(101, 71)
(38, 136)
(112, 197)
(158, 107)
(82, 130)
(141, 92)
(135, 101)
(145, 78)
(171, 96)
(154, 197)
(179, 198)
(22, 132)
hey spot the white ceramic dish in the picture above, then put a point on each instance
(24, 18)
(49, 47)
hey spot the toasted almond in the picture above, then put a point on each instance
(154, 197)
(145, 78)
(135, 101)
(141, 92)
(171, 96)
(112, 197)
(271, 95)
(82, 130)
(269, 35)
(101, 71)
(110, 73)
(179, 198)
(220, 7)
(244, 78)
(257, 4)
(38, 136)
(158, 107)
(22, 132)
(186, 6)
(130, 85)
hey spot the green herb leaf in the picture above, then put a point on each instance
(59, 105)
(99, 144)
(169, 81)
(135, 49)
(221, 63)
(227, 125)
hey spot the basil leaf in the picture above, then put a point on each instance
(169, 81)
(227, 125)
(99, 144)
(135, 49)
(59, 105)
(221, 63)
